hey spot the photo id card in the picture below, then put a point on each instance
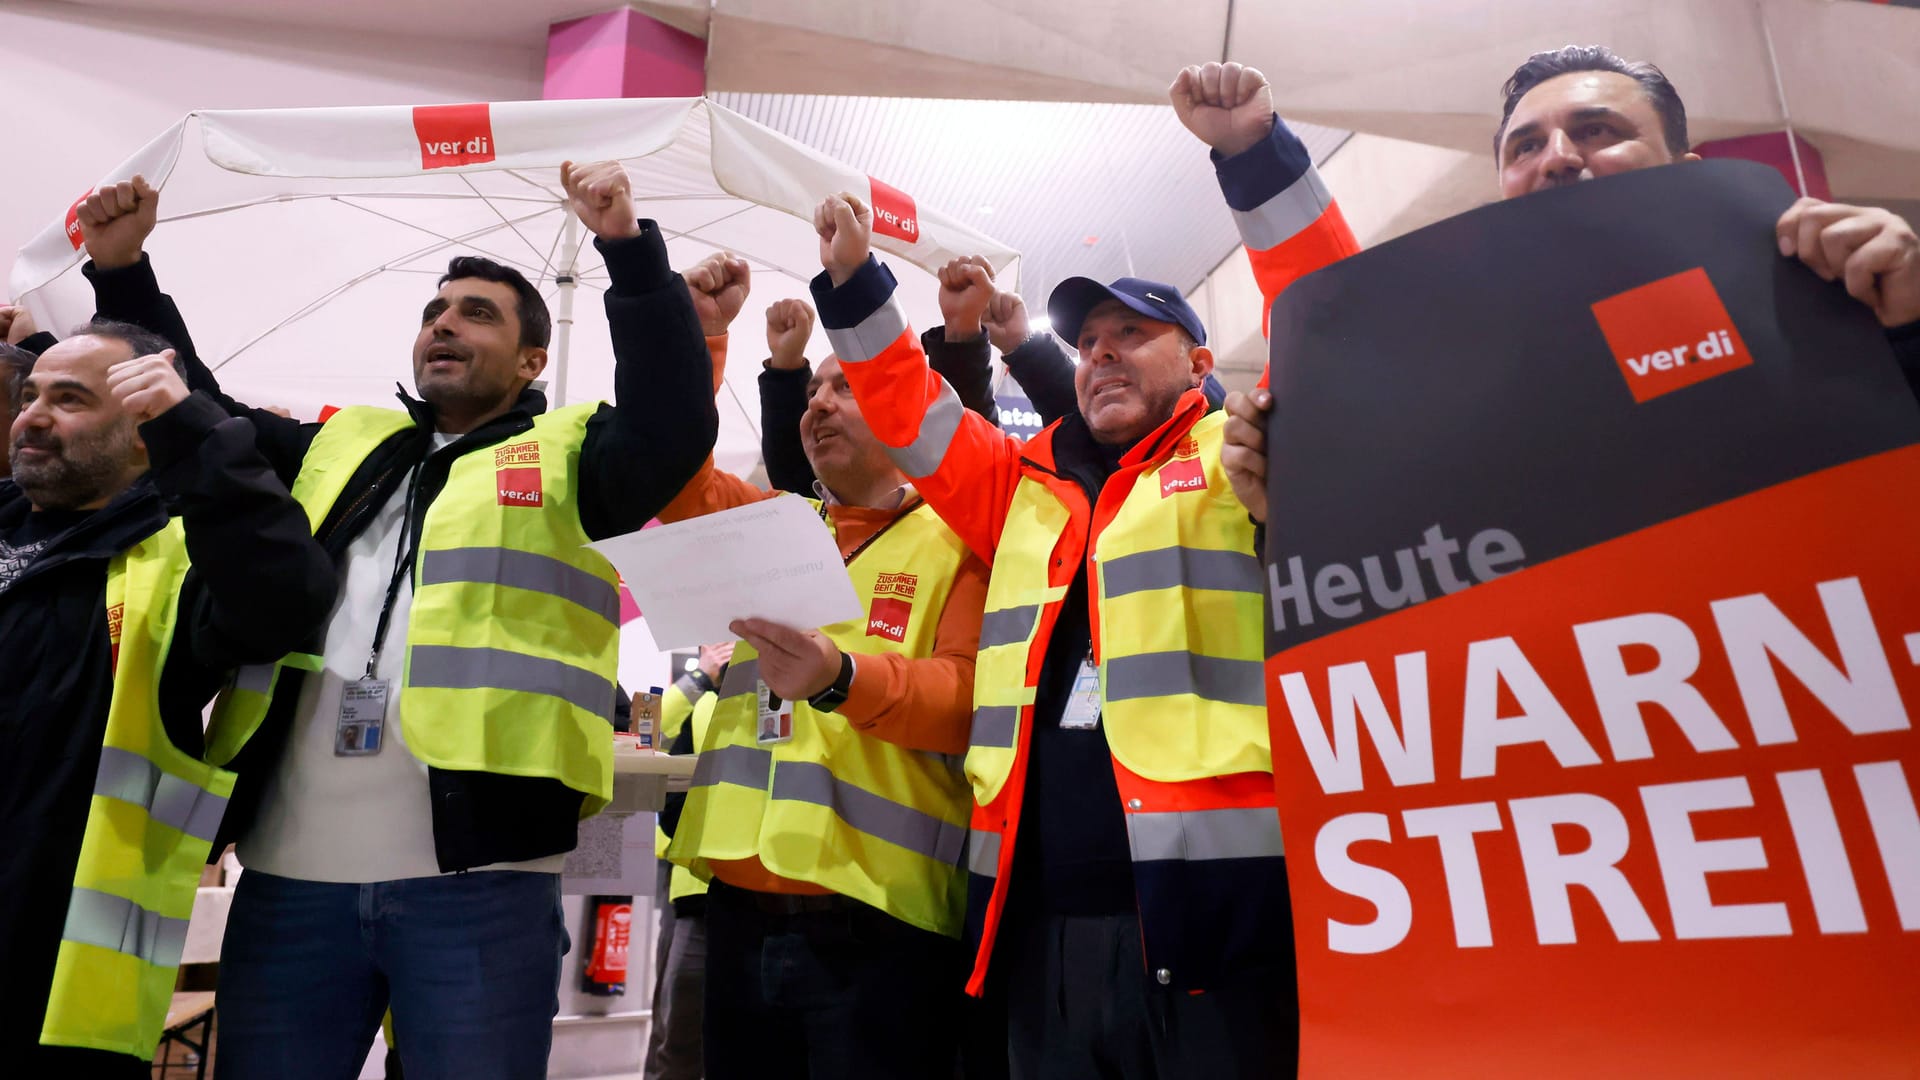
(776, 717)
(1083, 701)
(363, 716)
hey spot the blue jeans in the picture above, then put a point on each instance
(469, 962)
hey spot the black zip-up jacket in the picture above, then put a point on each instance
(783, 400)
(259, 586)
(639, 452)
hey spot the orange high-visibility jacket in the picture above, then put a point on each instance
(1209, 872)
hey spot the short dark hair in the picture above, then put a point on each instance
(1542, 66)
(16, 364)
(141, 340)
(536, 326)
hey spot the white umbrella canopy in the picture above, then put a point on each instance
(301, 244)
(1845, 75)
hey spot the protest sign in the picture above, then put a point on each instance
(1594, 622)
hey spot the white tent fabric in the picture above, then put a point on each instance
(301, 244)
(1846, 76)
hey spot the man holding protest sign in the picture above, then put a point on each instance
(1636, 749)
(1581, 113)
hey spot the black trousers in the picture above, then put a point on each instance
(827, 988)
(1082, 1007)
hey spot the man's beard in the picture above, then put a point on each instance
(82, 471)
(469, 394)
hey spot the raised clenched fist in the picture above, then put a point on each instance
(16, 323)
(1006, 322)
(966, 288)
(845, 225)
(602, 198)
(789, 327)
(116, 220)
(1229, 106)
(719, 284)
(146, 386)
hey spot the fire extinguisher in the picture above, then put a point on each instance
(610, 927)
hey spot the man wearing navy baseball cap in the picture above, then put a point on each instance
(1141, 347)
(1139, 927)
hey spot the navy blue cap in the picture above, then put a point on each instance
(1074, 297)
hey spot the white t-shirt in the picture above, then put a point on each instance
(324, 817)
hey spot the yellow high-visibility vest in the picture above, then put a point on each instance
(514, 632)
(1179, 610)
(675, 712)
(833, 806)
(150, 825)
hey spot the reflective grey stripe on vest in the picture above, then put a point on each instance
(1196, 568)
(1282, 217)
(923, 455)
(871, 336)
(994, 726)
(1236, 682)
(747, 766)
(167, 799)
(113, 922)
(983, 852)
(255, 678)
(1010, 626)
(450, 667)
(1201, 835)
(875, 815)
(742, 677)
(521, 570)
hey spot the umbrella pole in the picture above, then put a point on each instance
(568, 280)
(1780, 92)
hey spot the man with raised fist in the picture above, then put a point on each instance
(829, 812)
(427, 757)
(146, 551)
(1569, 115)
(1139, 925)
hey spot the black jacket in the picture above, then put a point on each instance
(638, 453)
(258, 587)
(783, 399)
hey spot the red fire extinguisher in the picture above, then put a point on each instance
(611, 927)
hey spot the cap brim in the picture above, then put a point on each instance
(1072, 299)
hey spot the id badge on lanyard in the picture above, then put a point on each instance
(363, 718)
(1084, 700)
(776, 717)
(363, 705)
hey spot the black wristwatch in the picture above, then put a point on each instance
(701, 682)
(835, 695)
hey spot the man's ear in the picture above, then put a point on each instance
(533, 361)
(1202, 359)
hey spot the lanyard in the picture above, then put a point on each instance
(906, 508)
(402, 563)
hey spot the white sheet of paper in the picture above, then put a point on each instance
(771, 560)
